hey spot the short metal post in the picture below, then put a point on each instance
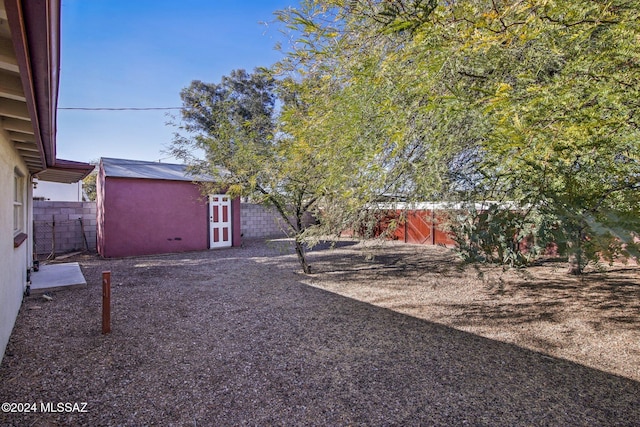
(106, 302)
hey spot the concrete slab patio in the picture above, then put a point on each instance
(54, 277)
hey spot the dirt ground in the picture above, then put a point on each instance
(387, 334)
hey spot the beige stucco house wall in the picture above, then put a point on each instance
(29, 76)
(14, 261)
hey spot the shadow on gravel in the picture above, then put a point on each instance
(531, 297)
(603, 293)
(247, 343)
(328, 245)
(384, 260)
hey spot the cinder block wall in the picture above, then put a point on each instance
(259, 221)
(68, 233)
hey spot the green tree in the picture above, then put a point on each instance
(554, 80)
(532, 102)
(243, 136)
(364, 106)
(89, 183)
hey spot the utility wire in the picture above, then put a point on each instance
(119, 108)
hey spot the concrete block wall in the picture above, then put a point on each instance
(259, 221)
(67, 225)
(256, 221)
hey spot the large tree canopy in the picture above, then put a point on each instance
(533, 102)
(530, 102)
(228, 130)
(233, 131)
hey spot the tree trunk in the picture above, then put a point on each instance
(302, 257)
(576, 261)
(299, 244)
(576, 266)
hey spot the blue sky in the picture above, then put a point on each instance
(141, 53)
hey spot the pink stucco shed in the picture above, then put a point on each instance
(153, 208)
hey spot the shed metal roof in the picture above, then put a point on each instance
(122, 168)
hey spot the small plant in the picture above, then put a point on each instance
(517, 237)
(495, 235)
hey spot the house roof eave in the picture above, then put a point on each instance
(38, 55)
(34, 27)
(66, 171)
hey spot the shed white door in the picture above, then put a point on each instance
(219, 221)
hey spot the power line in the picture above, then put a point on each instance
(119, 108)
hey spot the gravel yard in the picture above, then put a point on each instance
(387, 334)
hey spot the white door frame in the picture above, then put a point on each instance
(220, 230)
